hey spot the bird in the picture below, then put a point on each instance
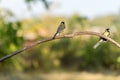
(106, 33)
(60, 28)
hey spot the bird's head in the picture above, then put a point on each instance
(107, 29)
(63, 22)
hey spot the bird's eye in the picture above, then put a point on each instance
(62, 22)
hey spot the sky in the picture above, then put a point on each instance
(87, 8)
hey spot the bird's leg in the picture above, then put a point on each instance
(62, 33)
(59, 34)
(109, 36)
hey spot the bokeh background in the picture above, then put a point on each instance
(23, 22)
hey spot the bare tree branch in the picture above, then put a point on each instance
(60, 37)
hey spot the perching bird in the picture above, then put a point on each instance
(61, 27)
(106, 33)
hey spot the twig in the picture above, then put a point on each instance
(60, 37)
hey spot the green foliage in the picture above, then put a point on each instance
(9, 39)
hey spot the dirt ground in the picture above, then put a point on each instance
(84, 75)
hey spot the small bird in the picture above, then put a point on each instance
(106, 33)
(61, 27)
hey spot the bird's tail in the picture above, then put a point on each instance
(55, 35)
(97, 44)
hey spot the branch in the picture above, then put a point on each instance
(60, 37)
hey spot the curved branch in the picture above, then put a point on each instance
(60, 37)
(92, 33)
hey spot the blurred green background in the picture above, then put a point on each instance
(65, 55)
